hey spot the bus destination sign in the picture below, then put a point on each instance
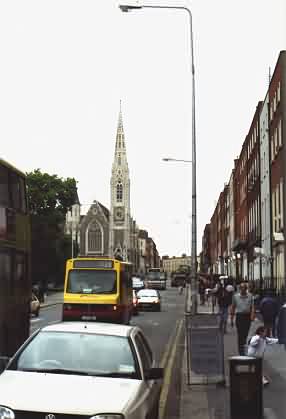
(96, 263)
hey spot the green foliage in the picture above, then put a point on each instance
(50, 195)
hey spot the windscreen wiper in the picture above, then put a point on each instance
(117, 374)
(56, 371)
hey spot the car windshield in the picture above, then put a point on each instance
(91, 281)
(147, 293)
(77, 353)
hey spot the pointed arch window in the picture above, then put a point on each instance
(119, 192)
(119, 159)
(94, 238)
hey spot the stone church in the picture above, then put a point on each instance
(108, 232)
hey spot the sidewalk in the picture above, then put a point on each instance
(53, 298)
(213, 402)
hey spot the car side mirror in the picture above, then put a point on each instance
(155, 374)
(3, 362)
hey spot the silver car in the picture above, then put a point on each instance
(86, 369)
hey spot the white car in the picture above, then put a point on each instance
(95, 370)
(149, 299)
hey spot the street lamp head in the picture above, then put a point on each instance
(176, 160)
(128, 7)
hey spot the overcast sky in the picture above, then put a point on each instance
(65, 65)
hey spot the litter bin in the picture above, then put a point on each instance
(245, 387)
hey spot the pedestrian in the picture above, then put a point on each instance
(257, 345)
(224, 294)
(243, 309)
(202, 292)
(207, 295)
(269, 310)
(181, 289)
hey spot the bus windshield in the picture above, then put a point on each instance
(83, 281)
(154, 275)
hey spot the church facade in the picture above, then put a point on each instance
(112, 232)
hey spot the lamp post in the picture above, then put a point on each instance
(191, 297)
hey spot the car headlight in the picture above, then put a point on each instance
(107, 416)
(6, 413)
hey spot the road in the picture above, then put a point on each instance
(165, 332)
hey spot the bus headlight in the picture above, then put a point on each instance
(6, 413)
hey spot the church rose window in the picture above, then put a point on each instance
(119, 192)
(94, 238)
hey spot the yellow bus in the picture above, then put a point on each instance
(98, 289)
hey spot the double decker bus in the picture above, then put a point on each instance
(15, 282)
(98, 289)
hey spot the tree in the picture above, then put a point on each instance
(50, 197)
(49, 194)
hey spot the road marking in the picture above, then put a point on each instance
(168, 373)
(168, 347)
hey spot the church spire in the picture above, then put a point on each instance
(119, 235)
(120, 138)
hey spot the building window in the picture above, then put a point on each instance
(119, 192)
(278, 93)
(281, 204)
(280, 142)
(94, 238)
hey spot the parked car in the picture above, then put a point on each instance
(81, 365)
(34, 306)
(135, 304)
(149, 299)
(137, 283)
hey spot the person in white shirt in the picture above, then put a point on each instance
(257, 346)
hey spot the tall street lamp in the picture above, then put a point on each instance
(191, 298)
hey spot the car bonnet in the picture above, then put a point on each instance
(70, 394)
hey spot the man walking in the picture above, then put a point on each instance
(269, 310)
(224, 293)
(243, 308)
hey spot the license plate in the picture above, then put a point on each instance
(88, 317)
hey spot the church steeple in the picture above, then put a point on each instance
(120, 158)
(119, 235)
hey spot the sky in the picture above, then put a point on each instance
(66, 64)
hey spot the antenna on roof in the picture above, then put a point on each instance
(269, 76)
